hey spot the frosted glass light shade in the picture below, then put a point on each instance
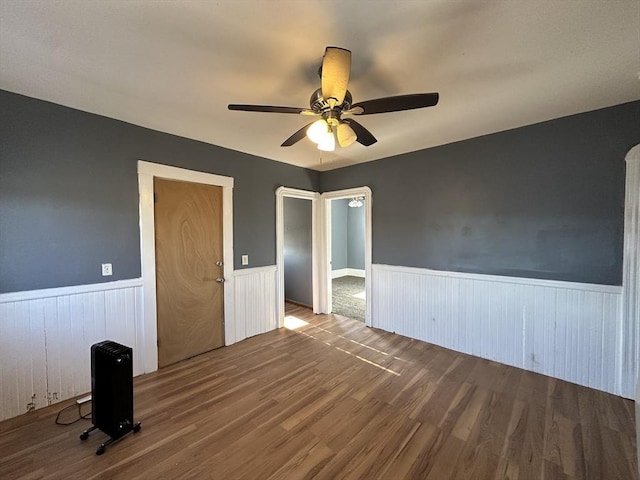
(346, 135)
(328, 143)
(318, 131)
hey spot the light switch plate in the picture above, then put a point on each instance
(245, 259)
(106, 269)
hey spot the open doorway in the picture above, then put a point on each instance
(334, 265)
(298, 251)
(347, 257)
(321, 268)
(297, 248)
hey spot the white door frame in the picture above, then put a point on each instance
(149, 329)
(325, 246)
(629, 347)
(282, 192)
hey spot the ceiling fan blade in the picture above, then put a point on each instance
(270, 109)
(336, 68)
(296, 137)
(395, 104)
(365, 137)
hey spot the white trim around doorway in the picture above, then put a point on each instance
(146, 173)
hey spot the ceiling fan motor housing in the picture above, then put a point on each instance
(319, 105)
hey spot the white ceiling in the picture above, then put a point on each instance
(174, 66)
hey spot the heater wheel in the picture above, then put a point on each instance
(100, 450)
(136, 428)
(84, 435)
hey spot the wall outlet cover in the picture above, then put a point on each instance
(106, 269)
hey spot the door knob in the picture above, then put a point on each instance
(220, 280)
(219, 263)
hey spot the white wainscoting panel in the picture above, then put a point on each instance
(23, 372)
(255, 303)
(46, 335)
(566, 330)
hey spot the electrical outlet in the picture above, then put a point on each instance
(106, 269)
(245, 259)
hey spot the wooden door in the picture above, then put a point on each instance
(188, 231)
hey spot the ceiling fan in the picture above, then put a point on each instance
(333, 101)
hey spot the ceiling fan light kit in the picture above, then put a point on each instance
(346, 135)
(324, 134)
(328, 143)
(318, 130)
(333, 100)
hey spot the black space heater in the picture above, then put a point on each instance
(111, 392)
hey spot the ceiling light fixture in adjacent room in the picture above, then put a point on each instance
(356, 202)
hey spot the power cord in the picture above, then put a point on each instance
(86, 416)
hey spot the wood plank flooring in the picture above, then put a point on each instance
(335, 399)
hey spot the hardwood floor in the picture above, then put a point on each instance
(335, 399)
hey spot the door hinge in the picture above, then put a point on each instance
(155, 197)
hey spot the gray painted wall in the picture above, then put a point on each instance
(542, 201)
(347, 235)
(298, 284)
(339, 238)
(355, 237)
(69, 193)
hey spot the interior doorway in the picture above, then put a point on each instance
(297, 250)
(321, 246)
(360, 271)
(148, 331)
(348, 276)
(189, 269)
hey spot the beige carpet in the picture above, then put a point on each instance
(348, 297)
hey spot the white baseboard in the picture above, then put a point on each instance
(348, 272)
(340, 272)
